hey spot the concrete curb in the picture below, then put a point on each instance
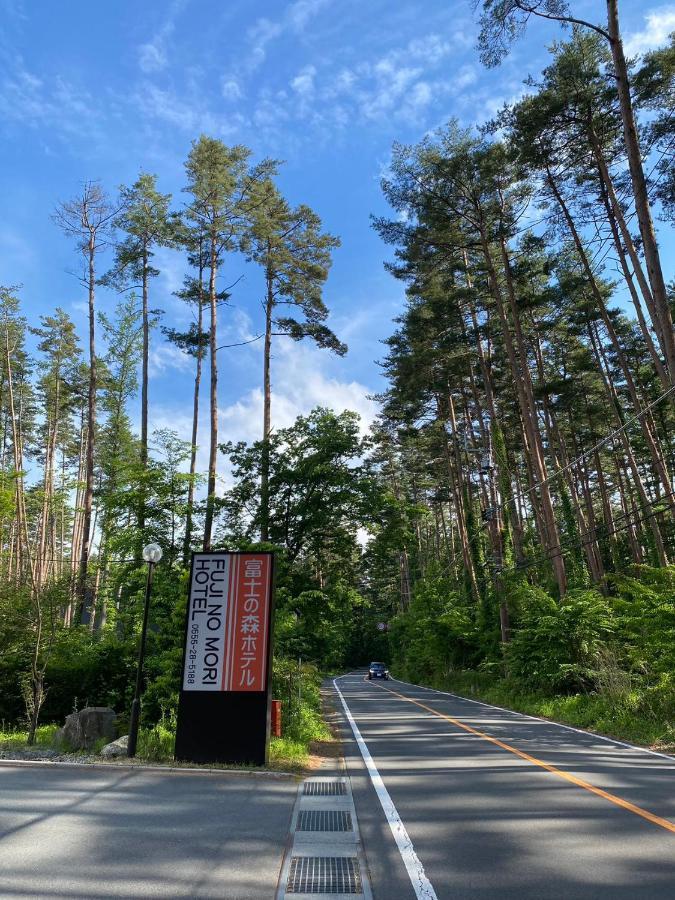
(131, 767)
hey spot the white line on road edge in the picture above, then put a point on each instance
(421, 884)
(593, 734)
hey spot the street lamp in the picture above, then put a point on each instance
(152, 554)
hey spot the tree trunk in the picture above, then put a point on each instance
(628, 278)
(656, 453)
(23, 554)
(625, 500)
(556, 439)
(142, 499)
(91, 438)
(187, 541)
(213, 448)
(457, 484)
(639, 184)
(267, 420)
(521, 377)
(615, 404)
(617, 223)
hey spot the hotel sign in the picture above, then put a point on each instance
(226, 658)
(228, 620)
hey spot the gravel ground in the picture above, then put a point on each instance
(37, 754)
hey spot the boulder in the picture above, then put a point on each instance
(116, 748)
(85, 727)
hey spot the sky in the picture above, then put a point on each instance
(104, 91)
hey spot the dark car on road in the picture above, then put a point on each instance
(378, 670)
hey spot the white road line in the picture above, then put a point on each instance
(600, 737)
(421, 884)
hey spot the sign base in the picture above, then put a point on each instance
(229, 727)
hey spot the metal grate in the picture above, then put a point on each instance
(324, 788)
(324, 820)
(324, 875)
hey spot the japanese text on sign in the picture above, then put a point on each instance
(228, 623)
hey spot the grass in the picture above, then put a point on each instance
(17, 739)
(305, 732)
(291, 753)
(640, 716)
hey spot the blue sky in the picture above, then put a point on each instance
(102, 91)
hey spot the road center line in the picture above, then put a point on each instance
(579, 782)
(421, 884)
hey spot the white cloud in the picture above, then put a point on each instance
(265, 31)
(152, 57)
(261, 34)
(303, 83)
(167, 357)
(57, 104)
(299, 13)
(660, 24)
(80, 306)
(399, 85)
(430, 49)
(189, 114)
(172, 269)
(299, 384)
(231, 89)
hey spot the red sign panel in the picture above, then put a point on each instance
(246, 650)
(228, 622)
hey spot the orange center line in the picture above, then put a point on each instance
(579, 782)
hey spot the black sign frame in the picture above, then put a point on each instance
(227, 727)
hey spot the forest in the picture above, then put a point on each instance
(509, 517)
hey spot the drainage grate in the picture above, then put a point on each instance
(324, 788)
(324, 820)
(324, 875)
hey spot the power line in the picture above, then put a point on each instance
(600, 443)
(567, 547)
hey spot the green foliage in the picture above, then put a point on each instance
(87, 671)
(157, 744)
(557, 644)
(436, 634)
(297, 686)
(645, 610)
(645, 714)
(594, 661)
(320, 491)
(506, 364)
(17, 739)
(295, 256)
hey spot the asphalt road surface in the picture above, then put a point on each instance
(457, 799)
(87, 834)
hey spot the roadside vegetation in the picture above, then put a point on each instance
(303, 727)
(602, 663)
(507, 524)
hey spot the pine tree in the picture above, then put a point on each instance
(88, 219)
(295, 257)
(221, 184)
(147, 223)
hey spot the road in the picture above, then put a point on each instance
(87, 833)
(487, 803)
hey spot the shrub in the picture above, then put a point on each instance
(558, 644)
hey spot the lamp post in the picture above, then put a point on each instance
(152, 555)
